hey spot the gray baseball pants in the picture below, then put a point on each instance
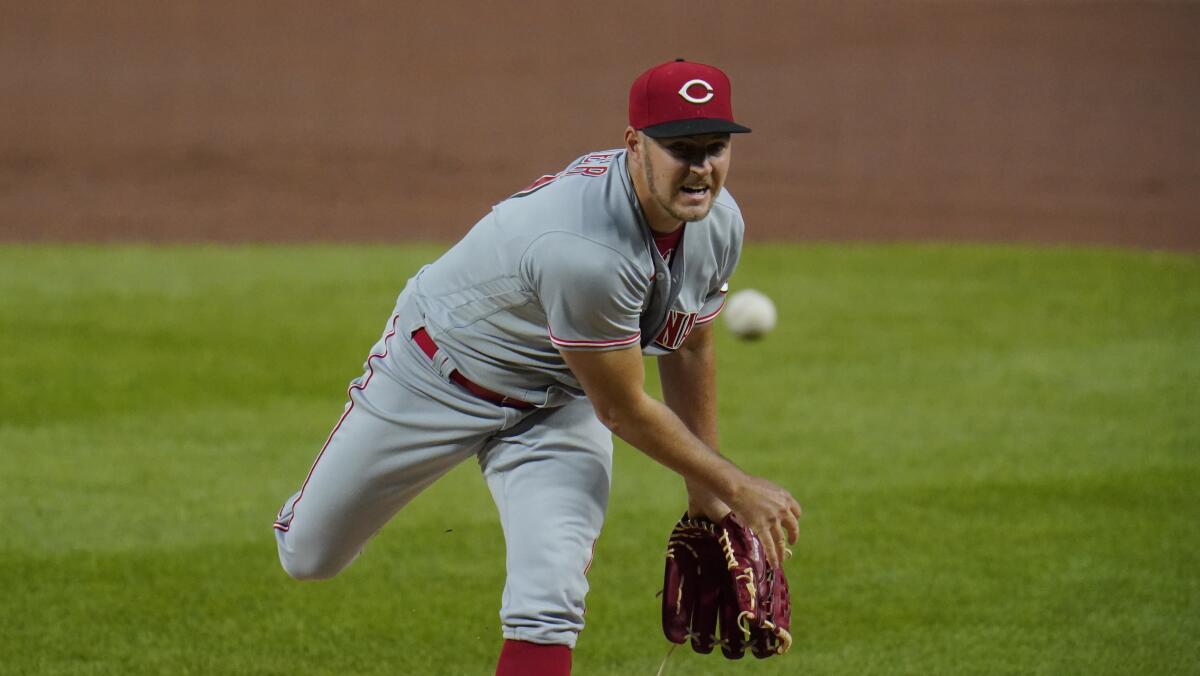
(405, 426)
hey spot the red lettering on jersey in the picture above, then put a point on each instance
(676, 330)
(586, 171)
(599, 158)
(595, 164)
(538, 183)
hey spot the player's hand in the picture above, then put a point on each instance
(771, 512)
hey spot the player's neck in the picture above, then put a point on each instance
(667, 227)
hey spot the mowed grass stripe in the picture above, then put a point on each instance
(996, 447)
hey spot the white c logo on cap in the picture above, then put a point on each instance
(683, 91)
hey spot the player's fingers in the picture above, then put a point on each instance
(791, 520)
(781, 539)
(792, 526)
(770, 549)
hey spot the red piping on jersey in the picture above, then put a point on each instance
(593, 343)
(709, 317)
(357, 386)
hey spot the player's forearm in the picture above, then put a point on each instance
(689, 389)
(688, 378)
(614, 382)
(651, 427)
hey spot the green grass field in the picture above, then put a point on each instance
(997, 448)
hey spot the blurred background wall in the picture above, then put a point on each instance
(382, 121)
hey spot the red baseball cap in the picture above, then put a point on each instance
(681, 98)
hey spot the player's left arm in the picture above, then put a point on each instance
(689, 384)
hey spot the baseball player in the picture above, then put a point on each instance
(522, 347)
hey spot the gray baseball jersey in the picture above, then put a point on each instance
(566, 264)
(569, 264)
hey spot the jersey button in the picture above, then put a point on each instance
(660, 276)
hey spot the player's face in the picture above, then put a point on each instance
(686, 173)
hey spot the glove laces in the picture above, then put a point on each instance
(662, 668)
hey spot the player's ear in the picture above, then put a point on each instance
(633, 141)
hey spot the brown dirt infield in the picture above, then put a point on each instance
(371, 121)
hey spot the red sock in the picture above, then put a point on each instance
(522, 658)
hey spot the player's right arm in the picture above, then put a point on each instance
(614, 382)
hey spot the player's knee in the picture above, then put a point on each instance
(310, 567)
(303, 563)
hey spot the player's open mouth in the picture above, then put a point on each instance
(695, 191)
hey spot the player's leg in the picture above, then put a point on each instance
(405, 427)
(549, 476)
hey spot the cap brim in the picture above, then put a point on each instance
(694, 127)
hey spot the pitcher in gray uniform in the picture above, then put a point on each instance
(522, 346)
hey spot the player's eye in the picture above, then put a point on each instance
(681, 151)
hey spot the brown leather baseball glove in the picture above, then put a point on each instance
(716, 573)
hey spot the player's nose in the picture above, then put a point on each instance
(701, 165)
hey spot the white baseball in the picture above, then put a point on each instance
(749, 313)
